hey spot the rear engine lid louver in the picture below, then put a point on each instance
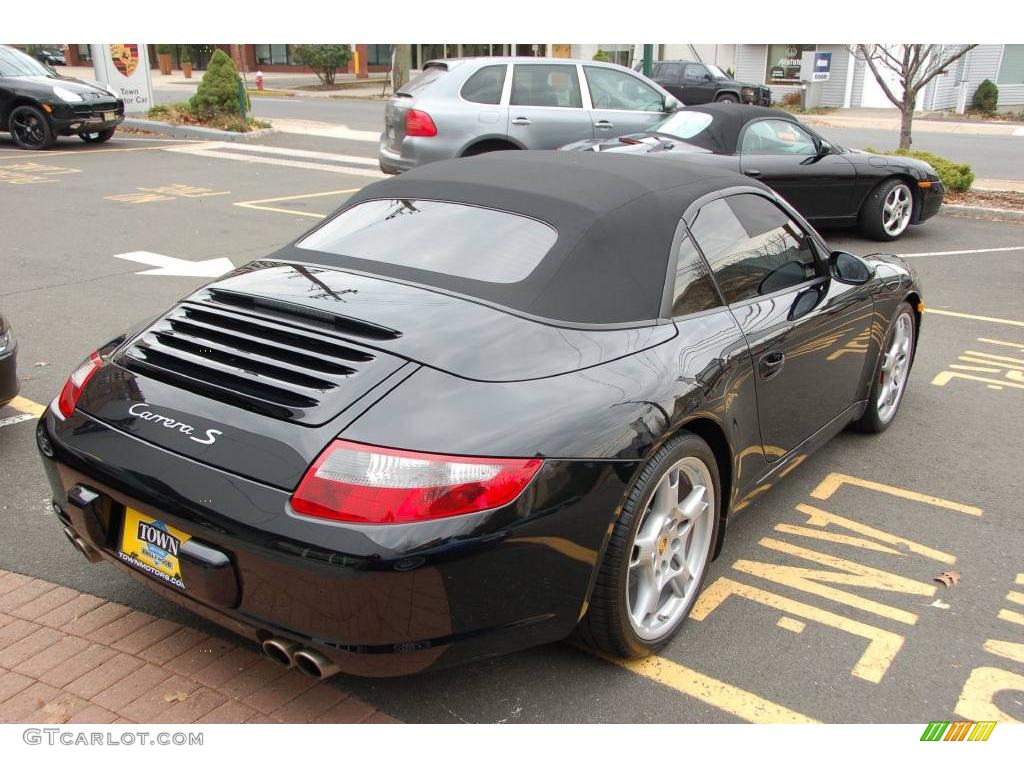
(254, 361)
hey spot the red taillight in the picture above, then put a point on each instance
(365, 484)
(418, 123)
(76, 383)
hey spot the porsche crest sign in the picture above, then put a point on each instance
(124, 67)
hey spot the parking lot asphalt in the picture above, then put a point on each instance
(823, 605)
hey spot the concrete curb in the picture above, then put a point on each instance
(194, 131)
(997, 214)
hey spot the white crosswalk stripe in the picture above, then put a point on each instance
(330, 162)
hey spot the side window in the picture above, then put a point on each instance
(484, 86)
(546, 85)
(694, 73)
(777, 137)
(670, 73)
(753, 247)
(611, 89)
(694, 291)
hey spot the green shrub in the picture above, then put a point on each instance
(162, 48)
(602, 56)
(185, 54)
(956, 177)
(986, 98)
(218, 91)
(324, 60)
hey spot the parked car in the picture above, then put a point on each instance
(8, 362)
(462, 107)
(693, 82)
(827, 183)
(425, 430)
(51, 57)
(37, 105)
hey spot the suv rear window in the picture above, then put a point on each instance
(422, 80)
(484, 86)
(443, 239)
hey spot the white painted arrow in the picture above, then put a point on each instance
(170, 265)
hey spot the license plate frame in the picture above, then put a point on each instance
(150, 545)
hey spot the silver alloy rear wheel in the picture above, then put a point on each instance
(896, 210)
(895, 369)
(671, 549)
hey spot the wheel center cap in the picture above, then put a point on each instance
(662, 545)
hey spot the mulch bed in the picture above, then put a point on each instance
(1010, 201)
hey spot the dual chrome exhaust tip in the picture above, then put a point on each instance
(288, 654)
(80, 544)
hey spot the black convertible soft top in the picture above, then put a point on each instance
(615, 218)
(728, 119)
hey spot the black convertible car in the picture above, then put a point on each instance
(828, 184)
(470, 412)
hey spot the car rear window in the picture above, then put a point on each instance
(422, 80)
(439, 238)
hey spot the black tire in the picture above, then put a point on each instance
(97, 137)
(607, 626)
(728, 97)
(872, 421)
(873, 210)
(30, 128)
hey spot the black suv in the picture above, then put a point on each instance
(695, 83)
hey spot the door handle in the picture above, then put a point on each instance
(752, 172)
(604, 124)
(521, 121)
(770, 364)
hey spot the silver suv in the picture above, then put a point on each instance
(460, 107)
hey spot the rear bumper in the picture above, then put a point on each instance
(377, 600)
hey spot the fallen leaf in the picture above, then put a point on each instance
(939, 604)
(949, 578)
(58, 711)
(42, 364)
(177, 696)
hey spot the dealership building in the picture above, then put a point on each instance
(777, 65)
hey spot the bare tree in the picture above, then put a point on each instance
(402, 58)
(915, 65)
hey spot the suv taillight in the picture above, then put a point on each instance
(419, 123)
(75, 384)
(361, 483)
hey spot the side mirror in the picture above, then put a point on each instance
(672, 104)
(847, 268)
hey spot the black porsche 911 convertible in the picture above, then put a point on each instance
(830, 185)
(484, 404)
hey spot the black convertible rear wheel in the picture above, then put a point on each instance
(659, 552)
(893, 372)
(29, 128)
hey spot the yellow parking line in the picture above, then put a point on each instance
(965, 316)
(24, 405)
(260, 204)
(45, 155)
(831, 484)
(736, 701)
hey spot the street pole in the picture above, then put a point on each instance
(648, 59)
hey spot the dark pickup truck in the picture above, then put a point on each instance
(695, 83)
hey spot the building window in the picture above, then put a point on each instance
(267, 53)
(1011, 68)
(84, 52)
(784, 63)
(619, 53)
(378, 55)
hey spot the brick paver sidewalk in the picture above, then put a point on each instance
(69, 657)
